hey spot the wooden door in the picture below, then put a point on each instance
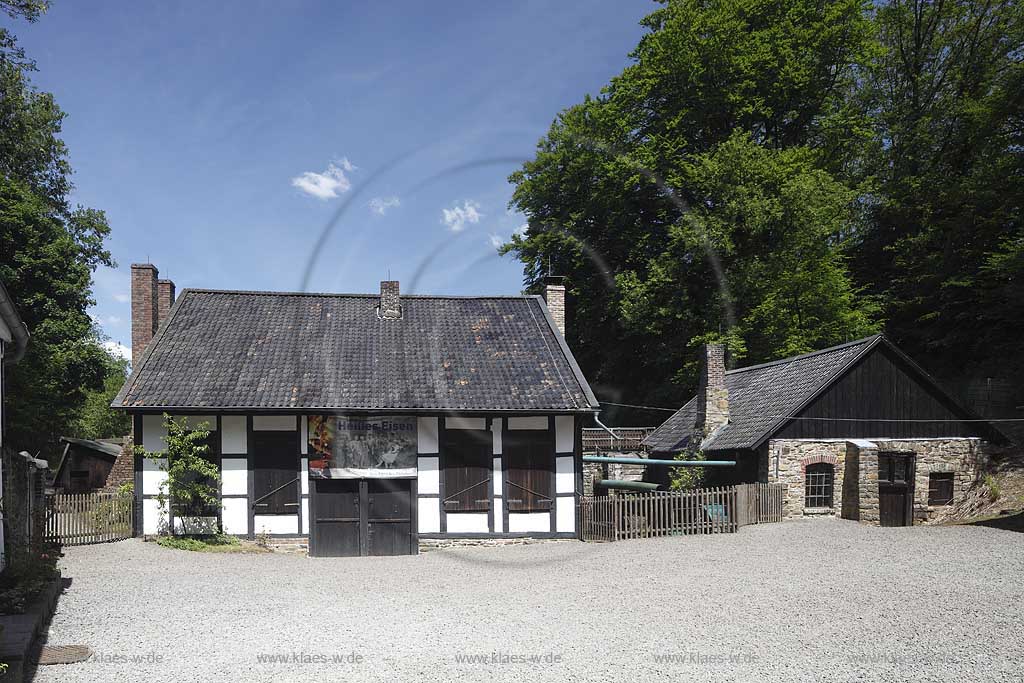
(895, 489)
(389, 517)
(353, 517)
(336, 520)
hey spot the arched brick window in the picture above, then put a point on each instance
(818, 480)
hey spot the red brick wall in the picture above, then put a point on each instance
(144, 308)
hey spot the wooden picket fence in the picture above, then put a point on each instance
(81, 518)
(678, 513)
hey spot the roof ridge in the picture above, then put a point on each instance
(353, 295)
(790, 359)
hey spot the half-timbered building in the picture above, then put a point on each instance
(361, 422)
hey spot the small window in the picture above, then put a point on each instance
(467, 470)
(197, 508)
(940, 488)
(818, 480)
(894, 468)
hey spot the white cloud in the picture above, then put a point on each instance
(112, 320)
(380, 205)
(118, 349)
(521, 230)
(122, 298)
(457, 217)
(497, 241)
(327, 185)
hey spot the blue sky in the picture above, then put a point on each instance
(222, 138)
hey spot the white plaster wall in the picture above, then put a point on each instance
(276, 524)
(496, 431)
(429, 515)
(466, 523)
(565, 514)
(565, 434)
(465, 423)
(496, 477)
(426, 435)
(428, 478)
(525, 522)
(154, 520)
(234, 476)
(304, 476)
(152, 475)
(499, 522)
(198, 421)
(304, 508)
(304, 435)
(233, 435)
(235, 515)
(565, 474)
(154, 435)
(195, 525)
(538, 422)
(274, 423)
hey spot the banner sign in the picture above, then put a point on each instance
(344, 447)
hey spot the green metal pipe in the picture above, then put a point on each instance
(652, 461)
(628, 485)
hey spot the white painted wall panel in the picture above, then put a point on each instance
(499, 522)
(197, 421)
(565, 474)
(429, 514)
(466, 523)
(565, 514)
(496, 477)
(276, 524)
(526, 522)
(152, 475)
(195, 525)
(428, 478)
(233, 435)
(234, 476)
(496, 431)
(426, 435)
(304, 434)
(235, 515)
(304, 507)
(304, 475)
(539, 422)
(565, 434)
(154, 520)
(154, 435)
(274, 423)
(465, 423)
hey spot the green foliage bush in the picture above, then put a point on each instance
(27, 573)
(214, 543)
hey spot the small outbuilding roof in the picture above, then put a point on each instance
(275, 351)
(764, 398)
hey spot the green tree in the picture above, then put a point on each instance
(48, 250)
(97, 420)
(192, 484)
(631, 193)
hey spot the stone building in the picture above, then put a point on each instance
(858, 430)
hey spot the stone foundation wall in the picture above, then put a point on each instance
(787, 463)
(855, 484)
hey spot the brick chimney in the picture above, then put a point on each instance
(145, 315)
(165, 299)
(712, 396)
(390, 306)
(554, 297)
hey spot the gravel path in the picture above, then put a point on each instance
(808, 600)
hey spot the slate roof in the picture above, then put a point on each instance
(295, 351)
(758, 395)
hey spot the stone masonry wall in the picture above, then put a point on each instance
(787, 463)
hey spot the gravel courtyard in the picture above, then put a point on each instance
(805, 600)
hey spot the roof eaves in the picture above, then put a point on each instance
(594, 404)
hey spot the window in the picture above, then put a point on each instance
(818, 479)
(940, 488)
(197, 508)
(530, 458)
(467, 469)
(894, 468)
(275, 472)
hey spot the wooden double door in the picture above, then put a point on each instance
(352, 517)
(896, 489)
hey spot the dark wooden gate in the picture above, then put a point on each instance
(895, 489)
(354, 517)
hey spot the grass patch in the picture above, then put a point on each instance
(217, 543)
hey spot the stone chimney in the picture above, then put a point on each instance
(145, 315)
(712, 396)
(390, 307)
(554, 297)
(165, 299)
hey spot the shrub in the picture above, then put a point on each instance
(199, 544)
